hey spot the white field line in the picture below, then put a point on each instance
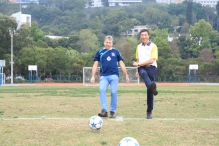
(115, 119)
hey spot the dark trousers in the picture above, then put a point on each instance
(148, 74)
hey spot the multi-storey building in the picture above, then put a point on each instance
(169, 1)
(93, 3)
(211, 3)
(122, 2)
(22, 19)
(96, 3)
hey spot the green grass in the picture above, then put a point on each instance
(183, 115)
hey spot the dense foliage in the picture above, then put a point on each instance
(194, 27)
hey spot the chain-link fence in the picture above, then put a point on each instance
(79, 79)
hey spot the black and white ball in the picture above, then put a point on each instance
(95, 122)
(128, 141)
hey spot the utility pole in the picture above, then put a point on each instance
(12, 32)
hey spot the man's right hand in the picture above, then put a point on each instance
(137, 75)
(92, 80)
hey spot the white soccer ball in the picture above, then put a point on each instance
(95, 122)
(128, 141)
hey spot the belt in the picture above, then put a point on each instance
(148, 66)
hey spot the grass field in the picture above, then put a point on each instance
(58, 116)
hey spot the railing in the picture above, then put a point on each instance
(76, 78)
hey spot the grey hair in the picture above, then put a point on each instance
(109, 37)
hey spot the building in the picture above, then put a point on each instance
(123, 2)
(93, 4)
(169, 1)
(55, 37)
(22, 19)
(211, 3)
(96, 3)
(135, 31)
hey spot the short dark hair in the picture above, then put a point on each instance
(144, 30)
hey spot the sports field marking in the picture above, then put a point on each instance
(116, 119)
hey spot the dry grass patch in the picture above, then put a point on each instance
(182, 116)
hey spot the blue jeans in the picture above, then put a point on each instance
(148, 74)
(105, 81)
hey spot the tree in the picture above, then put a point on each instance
(7, 9)
(72, 42)
(58, 61)
(214, 40)
(197, 11)
(22, 39)
(217, 9)
(184, 46)
(176, 9)
(66, 4)
(155, 16)
(184, 28)
(36, 11)
(27, 57)
(174, 47)
(87, 42)
(206, 55)
(149, 1)
(216, 54)
(105, 3)
(6, 23)
(200, 30)
(111, 22)
(189, 12)
(127, 24)
(125, 49)
(36, 33)
(209, 15)
(182, 19)
(40, 59)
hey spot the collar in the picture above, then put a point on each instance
(148, 44)
(108, 49)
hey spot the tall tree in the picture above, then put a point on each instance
(217, 8)
(6, 23)
(189, 11)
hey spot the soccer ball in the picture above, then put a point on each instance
(128, 141)
(95, 122)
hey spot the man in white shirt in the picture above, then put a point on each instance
(146, 55)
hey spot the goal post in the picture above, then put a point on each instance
(87, 74)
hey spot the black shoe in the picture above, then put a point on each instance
(154, 88)
(112, 114)
(149, 115)
(103, 114)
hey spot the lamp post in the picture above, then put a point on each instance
(12, 32)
